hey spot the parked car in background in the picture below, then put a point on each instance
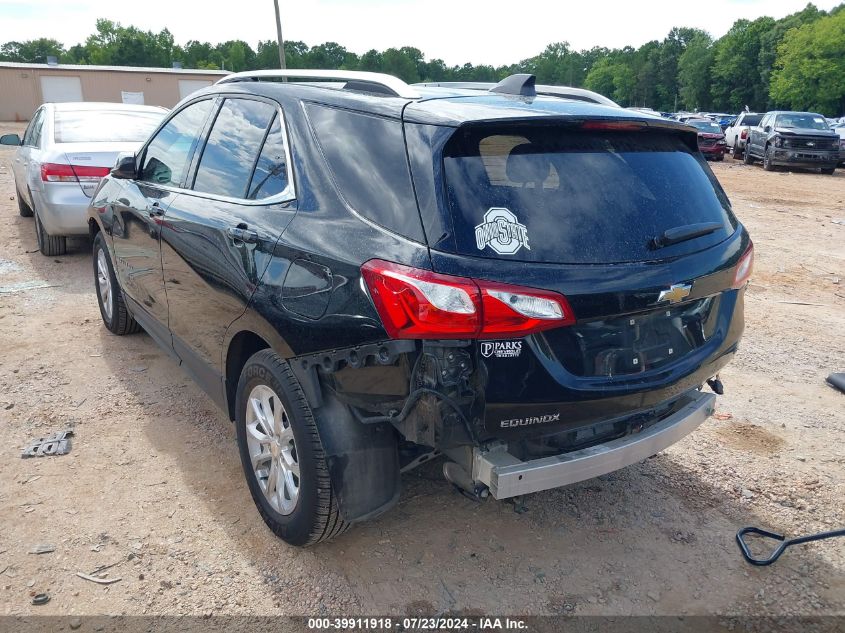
(711, 140)
(535, 287)
(793, 139)
(736, 135)
(840, 130)
(66, 149)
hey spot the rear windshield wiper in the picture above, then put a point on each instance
(683, 233)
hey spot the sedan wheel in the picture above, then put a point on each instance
(272, 449)
(50, 245)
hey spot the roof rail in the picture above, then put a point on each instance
(387, 84)
(564, 92)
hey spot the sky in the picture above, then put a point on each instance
(495, 32)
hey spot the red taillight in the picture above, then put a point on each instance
(55, 172)
(414, 303)
(743, 135)
(744, 267)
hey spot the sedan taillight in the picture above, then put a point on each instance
(56, 172)
(421, 304)
(744, 267)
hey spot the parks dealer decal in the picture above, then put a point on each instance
(501, 349)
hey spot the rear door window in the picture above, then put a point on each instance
(563, 195)
(270, 177)
(32, 137)
(233, 146)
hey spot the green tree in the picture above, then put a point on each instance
(810, 67)
(31, 51)
(399, 63)
(737, 80)
(694, 73)
(771, 39)
(371, 61)
(116, 45)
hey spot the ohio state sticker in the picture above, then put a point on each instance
(501, 231)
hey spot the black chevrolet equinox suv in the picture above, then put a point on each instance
(366, 275)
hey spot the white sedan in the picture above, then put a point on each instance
(66, 149)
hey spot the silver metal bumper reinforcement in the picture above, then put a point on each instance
(507, 476)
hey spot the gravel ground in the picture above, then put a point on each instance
(154, 486)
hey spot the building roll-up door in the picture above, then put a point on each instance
(189, 86)
(60, 89)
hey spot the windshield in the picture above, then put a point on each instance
(549, 194)
(806, 121)
(707, 126)
(105, 126)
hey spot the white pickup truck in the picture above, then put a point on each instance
(736, 135)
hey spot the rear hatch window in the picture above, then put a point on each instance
(105, 126)
(569, 195)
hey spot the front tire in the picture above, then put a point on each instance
(113, 310)
(49, 245)
(23, 207)
(767, 159)
(282, 455)
(828, 170)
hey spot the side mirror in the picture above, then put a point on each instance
(767, 129)
(125, 167)
(10, 139)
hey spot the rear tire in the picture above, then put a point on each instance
(282, 455)
(746, 157)
(116, 317)
(49, 245)
(828, 170)
(23, 207)
(737, 153)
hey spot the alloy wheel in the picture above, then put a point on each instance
(272, 449)
(104, 283)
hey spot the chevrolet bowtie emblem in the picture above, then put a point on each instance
(674, 294)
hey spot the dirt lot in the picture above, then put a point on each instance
(154, 484)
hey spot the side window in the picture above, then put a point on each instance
(233, 147)
(366, 155)
(32, 136)
(167, 155)
(270, 177)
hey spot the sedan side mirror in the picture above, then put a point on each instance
(125, 167)
(10, 139)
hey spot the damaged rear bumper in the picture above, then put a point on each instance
(507, 476)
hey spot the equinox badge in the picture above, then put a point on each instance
(676, 293)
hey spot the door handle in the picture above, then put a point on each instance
(155, 210)
(242, 234)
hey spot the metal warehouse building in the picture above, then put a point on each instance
(24, 87)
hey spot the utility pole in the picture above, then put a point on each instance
(282, 63)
